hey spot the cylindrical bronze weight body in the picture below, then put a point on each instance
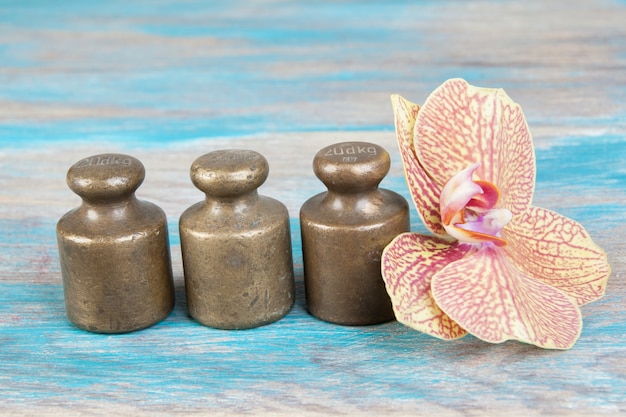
(236, 245)
(114, 249)
(344, 232)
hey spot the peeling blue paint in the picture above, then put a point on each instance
(297, 353)
(572, 162)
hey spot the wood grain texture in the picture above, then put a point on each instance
(167, 81)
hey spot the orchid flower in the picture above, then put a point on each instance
(496, 266)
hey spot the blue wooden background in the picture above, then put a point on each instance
(167, 81)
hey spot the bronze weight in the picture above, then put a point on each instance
(236, 245)
(344, 232)
(114, 249)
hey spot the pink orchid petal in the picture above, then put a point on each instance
(460, 124)
(559, 252)
(424, 191)
(408, 263)
(493, 300)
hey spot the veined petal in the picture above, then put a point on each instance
(424, 191)
(460, 124)
(493, 300)
(559, 252)
(408, 263)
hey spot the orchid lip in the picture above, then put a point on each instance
(468, 211)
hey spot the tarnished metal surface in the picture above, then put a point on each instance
(114, 249)
(236, 244)
(344, 231)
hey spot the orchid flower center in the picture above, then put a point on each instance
(468, 211)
